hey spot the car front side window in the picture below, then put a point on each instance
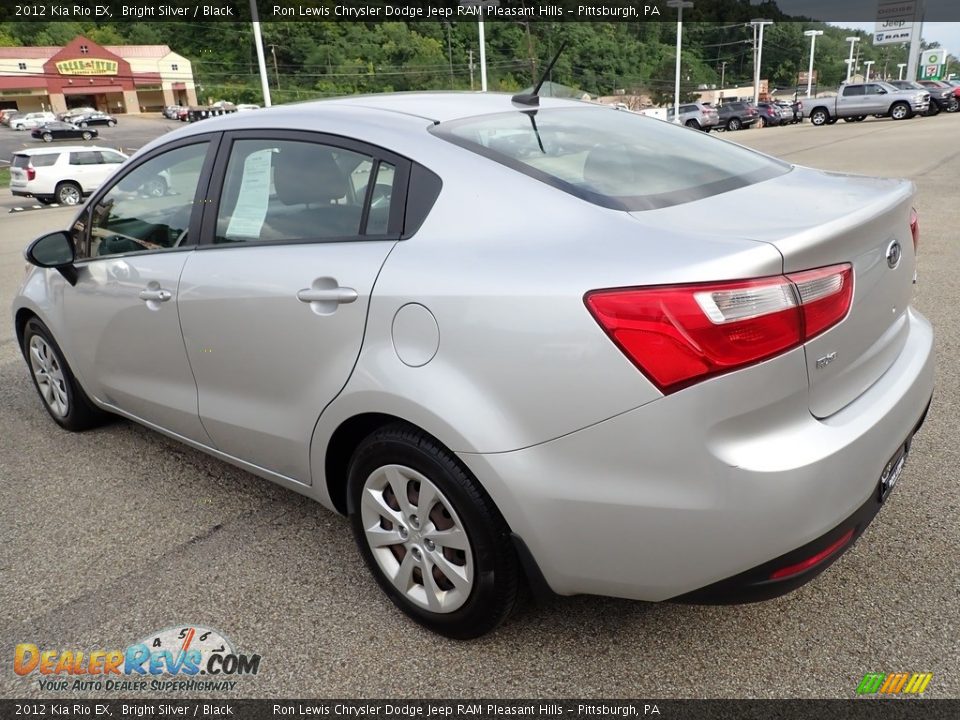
(149, 208)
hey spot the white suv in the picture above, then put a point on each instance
(32, 120)
(62, 175)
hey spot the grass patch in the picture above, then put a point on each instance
(4, 177)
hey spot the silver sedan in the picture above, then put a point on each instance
(550, 343)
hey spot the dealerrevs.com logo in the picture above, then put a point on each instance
(894, 683)
(181, 658)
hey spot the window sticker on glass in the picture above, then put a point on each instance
(251, 208)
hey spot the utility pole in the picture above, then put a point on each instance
(483, 58)
(679, 5)
(261, 61)
(758, 23)
(723, 73)
(812, 34)
(449, 52)
(853, 40)
(276, 72)
(470, 55)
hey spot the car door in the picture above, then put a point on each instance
(875, 100)
(107, 162)
(273, 303)
(851, 101)
(84, 169)
(121, 315)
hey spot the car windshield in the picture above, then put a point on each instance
(612, 158)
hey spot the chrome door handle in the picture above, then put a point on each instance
(156, 295)
(339, 295)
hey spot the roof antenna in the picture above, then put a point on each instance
(533, 98)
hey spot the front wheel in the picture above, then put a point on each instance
(900, 111)
(87, 136)
(47, 137)
(693, 124)
(62, 395)
(433, 539)
(734, 124)
(111, 123)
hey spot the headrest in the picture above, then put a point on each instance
(306, 173)
(612, 170)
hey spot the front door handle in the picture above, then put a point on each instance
(155, 295)
(339, 295)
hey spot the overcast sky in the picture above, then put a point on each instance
(946, 33)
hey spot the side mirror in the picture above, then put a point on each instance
(54, 250)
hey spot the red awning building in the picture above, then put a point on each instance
(111, 78)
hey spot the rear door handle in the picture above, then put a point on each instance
(156, 295)
(339, 295)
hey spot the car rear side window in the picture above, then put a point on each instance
(290, 190)
(612, 158)
(853, 91)
(85, 157)
(43, 160)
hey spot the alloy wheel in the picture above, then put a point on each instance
(417, 538)
(49, 376)
(68, 195)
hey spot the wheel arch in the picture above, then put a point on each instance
(21, 318)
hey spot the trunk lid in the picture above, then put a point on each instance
(815, 219)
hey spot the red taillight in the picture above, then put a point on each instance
(31, 173)
(915, 228)
(814, 560)
(679, 335)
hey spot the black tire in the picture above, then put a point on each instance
(111, 123)
(69, 193)
(693, 124)
(860, 118)
(83, 124)
(934, 109)
(734, 124)
(833, 121)
(87, 135)
(953, 105)
(496, 568)
(900, 111)
(46, 200)
(81, 413)
(819, 117)
(47, 137)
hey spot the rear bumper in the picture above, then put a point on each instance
(710, 484)
(760, 583)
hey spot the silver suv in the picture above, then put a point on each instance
(696, 115)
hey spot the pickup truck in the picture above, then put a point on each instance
(856, 101)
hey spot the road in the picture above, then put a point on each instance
(114, 533)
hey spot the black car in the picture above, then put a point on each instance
(62, 131)
(736, 115)
(97, 118)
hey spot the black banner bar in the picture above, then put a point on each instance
(858, 709)
(473, 10)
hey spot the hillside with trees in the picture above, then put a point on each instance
(320, 59)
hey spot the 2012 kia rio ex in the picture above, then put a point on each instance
(557, 343)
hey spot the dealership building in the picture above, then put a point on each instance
(111, 78)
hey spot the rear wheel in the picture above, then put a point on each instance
(47, 137)
(900, 111)
(734, 124)
(819, 117)
(693, 124)
(62, 395)
(68, 193)
(431, 536)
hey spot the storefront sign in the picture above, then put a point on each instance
(87, 66)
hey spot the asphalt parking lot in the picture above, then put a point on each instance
(130, 134)
(118, 532)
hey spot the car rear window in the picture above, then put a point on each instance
(612, 158)
(21, 161)
(41, 160)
